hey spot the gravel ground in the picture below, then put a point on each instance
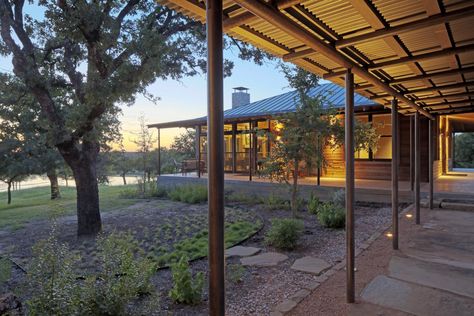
(258, 289)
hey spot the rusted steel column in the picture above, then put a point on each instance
(349, 153)
(412, 153)
(234, 147)
(430, 165)
(395, 156)
(198, 149)
(215, 156)
(417, 168)
(250, 150)
(159, 153)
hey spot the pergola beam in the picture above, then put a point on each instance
(449, 103)
(298, 55)
(447, 96)
(459, 110)
(440, 88)
(435, 75)
(423, 57)
(248, 17)
(279, 20)
(407, 27)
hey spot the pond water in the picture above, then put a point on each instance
(41, 181)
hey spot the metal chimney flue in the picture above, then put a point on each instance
(240, 97)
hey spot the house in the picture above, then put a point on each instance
(244, 151)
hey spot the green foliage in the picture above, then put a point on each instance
(235, 273)
(244, 198)
(5, 270)
(144, 190)
(186, 289)
(284, 233)
(339, 198)
(197, 246)
(192, 193)
(276, 202)
(331, 215)
(464, 150)
(313, 204)
(124, 274)
(52, 280)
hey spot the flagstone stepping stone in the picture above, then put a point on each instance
(310, 265)
(267, 259)
(240, 251)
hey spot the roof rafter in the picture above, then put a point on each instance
(407, 27)
(423, 57)
(434, 75)
(279, 20)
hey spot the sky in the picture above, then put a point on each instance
(187, 98)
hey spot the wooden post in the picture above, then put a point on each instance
(215, 156)
(349, 153)
(395, 155)
(198, 149)
(430, 164)
(412, 153)
(250, 150)
(159, 153)
(234, 147)
(417, 167)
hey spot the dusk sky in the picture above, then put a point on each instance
(187, 99)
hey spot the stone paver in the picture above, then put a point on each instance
(445, 277)
(310, 265)
(415, 299)
(267, 259)
(241, 251)
(286, 306)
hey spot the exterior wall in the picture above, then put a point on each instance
(437, 169)
(381, 169)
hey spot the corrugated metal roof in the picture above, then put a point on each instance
(332, 94)
(334, 22)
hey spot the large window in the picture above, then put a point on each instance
(383, 125)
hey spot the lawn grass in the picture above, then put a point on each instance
(35, 203)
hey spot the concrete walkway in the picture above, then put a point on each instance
(432, 274)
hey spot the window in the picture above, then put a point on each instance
(383, 125)
(362, 153)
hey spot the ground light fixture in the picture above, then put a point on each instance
(389, 234)
(408, 215)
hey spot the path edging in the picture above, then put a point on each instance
(290, 303)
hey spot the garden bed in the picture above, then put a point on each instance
(164, 228)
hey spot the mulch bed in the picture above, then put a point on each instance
(257, 290)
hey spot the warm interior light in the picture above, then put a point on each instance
(409, 215)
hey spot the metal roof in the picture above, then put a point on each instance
(421, 51)
(332, 94)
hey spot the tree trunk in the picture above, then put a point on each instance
(83, 163)
(53, 180)
(124, 179)
(294, 191)
(9, 193)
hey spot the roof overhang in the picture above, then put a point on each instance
(419, 51)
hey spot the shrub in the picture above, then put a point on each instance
(331, 215)
(313, 204)
(235, 273)
(5, 270)
(124, 275)
(275, 202)
(186, 290)
(284, 233)
(189, 193)
(144, 191)
(243, 198)
(51, 279)
(339, 198)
